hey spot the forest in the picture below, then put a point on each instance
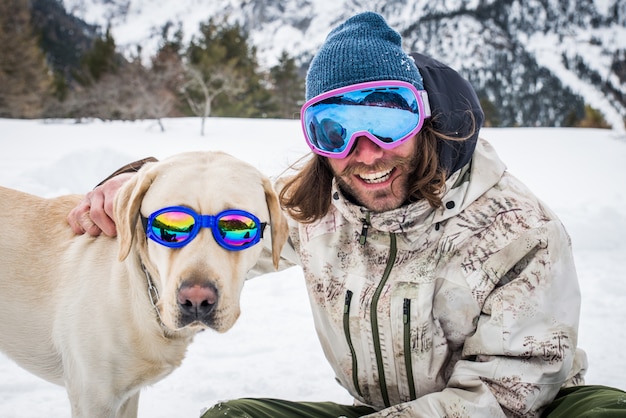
(53, 65)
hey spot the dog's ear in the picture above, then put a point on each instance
(280, 229)
(127, 205)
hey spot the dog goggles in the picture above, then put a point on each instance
(387, 112)
(176, 226)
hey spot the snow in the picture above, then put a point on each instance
(273, 350)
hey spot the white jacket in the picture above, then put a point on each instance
(470, 310)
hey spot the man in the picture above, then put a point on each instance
(439, 284)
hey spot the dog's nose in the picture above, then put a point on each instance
(196, 301)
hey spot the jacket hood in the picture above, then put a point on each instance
(455, 110)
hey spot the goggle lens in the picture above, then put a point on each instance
(387, 112)
(173, 226)
(238, 230)
(176, 226)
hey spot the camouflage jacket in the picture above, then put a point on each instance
(470, 310)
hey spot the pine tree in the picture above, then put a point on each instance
(491, 112)
(101, 59)
(288, 87)
(100, 92)
(162, 83)
(24, 78)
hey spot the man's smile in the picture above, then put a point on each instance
(377, 177)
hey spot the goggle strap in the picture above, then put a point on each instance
(425, 102)
(144, 222)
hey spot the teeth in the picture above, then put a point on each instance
(379, 177)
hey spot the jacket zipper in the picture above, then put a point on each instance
(364, 229)
(374, 319)
(406, 319)
(346, 330)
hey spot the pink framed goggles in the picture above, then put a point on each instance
(387, 112)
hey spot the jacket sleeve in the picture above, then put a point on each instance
(288, 256)
(524, 346)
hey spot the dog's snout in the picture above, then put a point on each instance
(196, 302)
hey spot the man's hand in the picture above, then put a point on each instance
(94, 214)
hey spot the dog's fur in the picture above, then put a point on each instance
(76, 310)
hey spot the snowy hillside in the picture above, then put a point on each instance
(537, 62)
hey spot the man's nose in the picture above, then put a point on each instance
(366, 151)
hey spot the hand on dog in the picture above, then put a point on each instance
(94, 214)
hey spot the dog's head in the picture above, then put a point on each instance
(199, 284)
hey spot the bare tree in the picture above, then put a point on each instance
(133, 92)
(154, 92)
(202, 87)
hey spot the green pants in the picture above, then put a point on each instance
(587, 402)
(579, 402)
(278, 408)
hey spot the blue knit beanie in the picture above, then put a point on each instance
(363, 48)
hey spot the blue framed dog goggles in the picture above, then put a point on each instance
(387, 112)
(177, 226)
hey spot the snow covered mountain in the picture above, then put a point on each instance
(533, 62)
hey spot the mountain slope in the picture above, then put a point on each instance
(532, 62)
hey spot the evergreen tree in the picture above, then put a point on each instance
(288, 87)
(490, 111)
(167, 75)
(99, 92)
(24, 79)
(101, 59)
(112, 87)
(593, 119)
(253, 99)
(63, 37)
(222, 76)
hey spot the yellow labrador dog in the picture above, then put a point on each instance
(105, 317)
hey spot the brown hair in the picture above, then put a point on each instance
(307, 195)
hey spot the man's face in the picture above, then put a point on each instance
(376, 178)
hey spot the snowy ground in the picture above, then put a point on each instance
(273, 350)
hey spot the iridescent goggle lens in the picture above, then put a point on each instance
(387, 112)
(176, 226)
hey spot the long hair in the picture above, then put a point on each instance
(307, 195)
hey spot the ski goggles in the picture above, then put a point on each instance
(177, 226)
(386, 112)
